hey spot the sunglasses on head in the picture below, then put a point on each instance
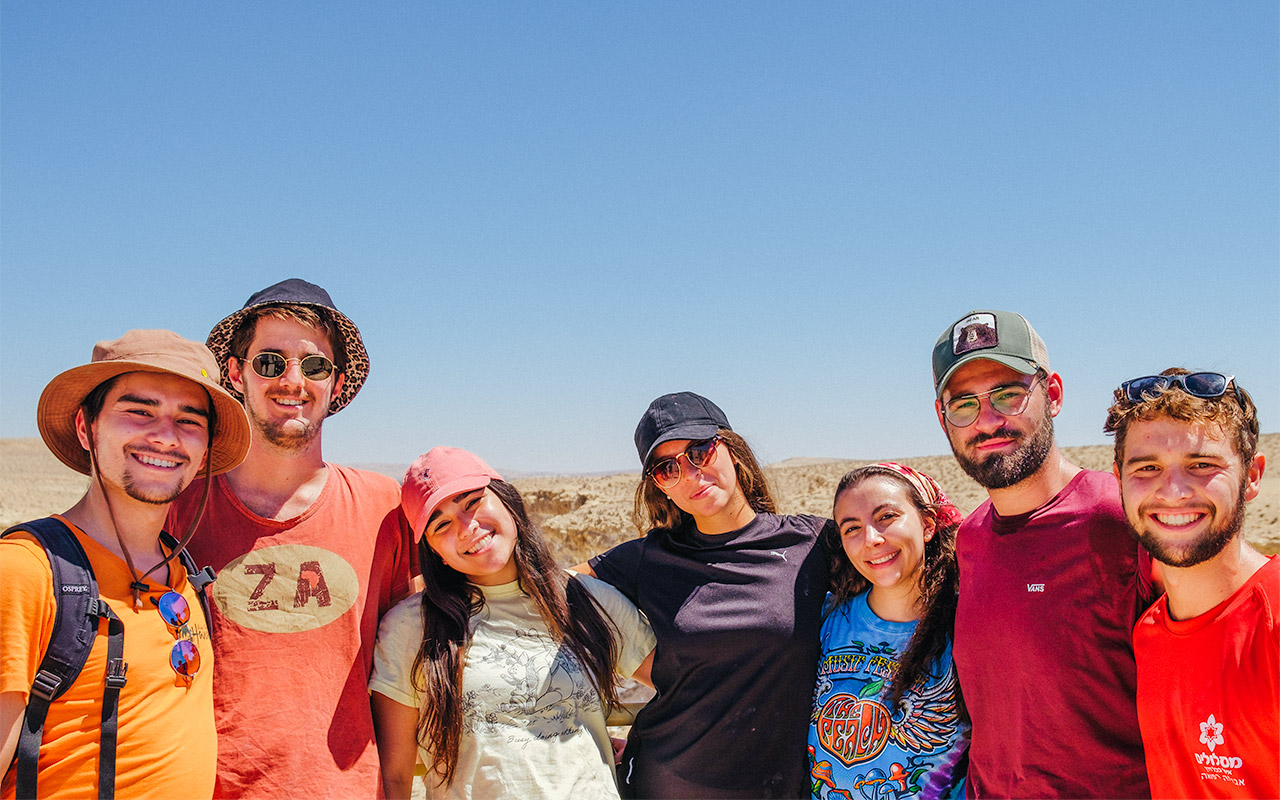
(1205, 385)
(666, 473)
(1008, 401)
(185, 656)
(272, 365)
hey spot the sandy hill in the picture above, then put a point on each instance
(584, 515)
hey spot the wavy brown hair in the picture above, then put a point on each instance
(1233, 411)
(653, 509)
(448, 603)
(939, 584)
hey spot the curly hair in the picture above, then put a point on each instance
(1233, 412)
(938, 583)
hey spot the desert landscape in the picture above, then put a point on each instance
(585, 515)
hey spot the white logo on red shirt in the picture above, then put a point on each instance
(1211, 733)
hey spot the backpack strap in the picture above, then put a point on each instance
(77, 610)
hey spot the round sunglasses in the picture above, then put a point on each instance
(272, 365)
(1008, 401)
(666, 473)
(185, 656)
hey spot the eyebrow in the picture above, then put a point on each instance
(874, 511)
(1142, 459)
(151, 402)
(436, 513)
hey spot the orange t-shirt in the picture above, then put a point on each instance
(166, 740)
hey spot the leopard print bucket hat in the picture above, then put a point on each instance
(296, 290)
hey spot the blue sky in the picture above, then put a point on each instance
(544, 215)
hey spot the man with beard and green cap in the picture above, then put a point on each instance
(1208, 652)
(1051, 583)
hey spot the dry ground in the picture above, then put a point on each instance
(587, 515)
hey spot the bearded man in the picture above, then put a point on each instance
(1208, 652)
(1051, 584)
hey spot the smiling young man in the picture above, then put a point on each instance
(1208, 651)
(141, 420)
(309, 554)
(1050, 582)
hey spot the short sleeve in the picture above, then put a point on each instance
(635, 637)
(398, 534)
(27, 608)
(620, 567)
(399, 637)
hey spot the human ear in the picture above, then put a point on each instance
(235, 373)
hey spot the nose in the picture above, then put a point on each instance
(873, 537)
(1175, 484)
(988, 418)
(292, 375)
(165, 431)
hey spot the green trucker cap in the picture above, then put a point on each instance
(1001, 336)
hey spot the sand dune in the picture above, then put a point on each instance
(585, 515)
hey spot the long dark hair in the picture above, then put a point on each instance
(448, 602)
(653, 509)
(939, 582)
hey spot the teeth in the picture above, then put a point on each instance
(878, 561)
(480, 544)
(290, 402)
(1176, 520)
(157, 462)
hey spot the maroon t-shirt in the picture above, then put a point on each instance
(1048, 600)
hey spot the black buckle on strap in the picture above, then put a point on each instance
(116, 668)
(45, 685)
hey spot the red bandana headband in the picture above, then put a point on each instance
(930, 492)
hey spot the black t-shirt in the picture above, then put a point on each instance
(737, 617)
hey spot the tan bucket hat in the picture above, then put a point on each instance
(141, 351)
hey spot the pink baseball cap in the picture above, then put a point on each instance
(437, 475)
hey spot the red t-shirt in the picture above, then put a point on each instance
(295, 615)
(1043, 647)
(1209, 694)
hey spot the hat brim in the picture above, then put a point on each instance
(354, 373)
(61, 399)
(693, 431)
(457, 486)
(1016, 363)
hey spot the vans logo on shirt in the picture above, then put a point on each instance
(1035, 587)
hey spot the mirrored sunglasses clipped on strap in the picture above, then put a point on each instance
(1205, 385)
(185, 656)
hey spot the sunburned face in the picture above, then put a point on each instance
(151, 436)
(1184, 489)
(287, 411)
(883, 535)
(475, 534)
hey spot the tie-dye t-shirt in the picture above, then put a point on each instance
(860, 748)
